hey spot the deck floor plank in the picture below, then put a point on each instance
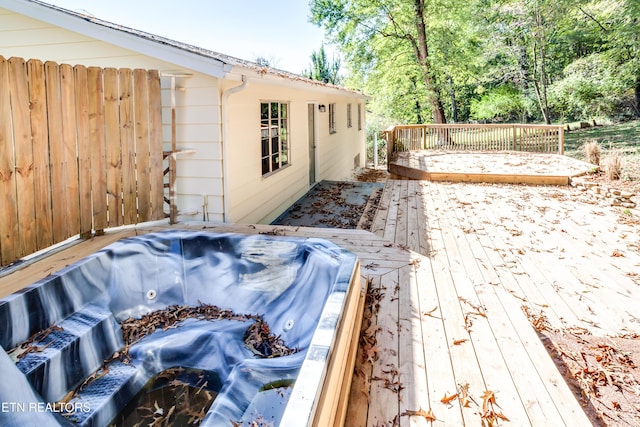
(412, 367)
(385, 381)
(464, 360)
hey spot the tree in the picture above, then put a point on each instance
(373, 32)
(323, 69)
(527, 33)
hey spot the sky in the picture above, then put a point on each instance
(278, 30)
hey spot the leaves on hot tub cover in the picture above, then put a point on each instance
(258, 337)
(133, 330)
(262, 342)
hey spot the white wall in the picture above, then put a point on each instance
(253, 198)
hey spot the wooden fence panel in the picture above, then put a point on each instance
(41, 166)
(60, 203)
(80, 151)
(97, 149)
(25, 183)
(141, 102)
(8, 201)
(70, 149)
(112, 133)
(128, 146)
(156, 172)
(83, 151)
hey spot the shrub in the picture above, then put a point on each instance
(613, 165)
(592, 152)
(503, 102)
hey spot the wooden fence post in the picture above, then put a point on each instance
(561, 140)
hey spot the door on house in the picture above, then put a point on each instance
(312, 143)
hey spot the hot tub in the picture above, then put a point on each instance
(58, 332)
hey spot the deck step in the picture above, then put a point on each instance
(75, 348)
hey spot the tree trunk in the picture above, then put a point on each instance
(540, 82)
(454, 105)
(636, 103)
(422, 53)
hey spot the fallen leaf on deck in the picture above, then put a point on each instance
(428, 415)
(488, 398)
(448, 399)
(458, 342)
(430, 312)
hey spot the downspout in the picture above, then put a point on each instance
(224, 134)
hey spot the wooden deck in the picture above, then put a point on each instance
(507, 167)
(453, 265)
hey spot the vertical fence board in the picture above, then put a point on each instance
(25, 183)
(69, 146)
(97, 149)
(141, 107)
(156, 180)
(56, 152)
(8, 206)
(112, 135)
(40, 141)
(127, 142)
(84, 150)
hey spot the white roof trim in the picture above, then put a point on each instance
(55, 16)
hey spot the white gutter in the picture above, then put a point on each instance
(224, 134)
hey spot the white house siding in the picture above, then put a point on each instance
(197, 106)
(339, 150)
(253, 198)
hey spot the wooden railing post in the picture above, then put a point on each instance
(515, 136)
(561, 140)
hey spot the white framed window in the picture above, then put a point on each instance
(274, 130)
(359, 116)
(332, 118)
(349, 124)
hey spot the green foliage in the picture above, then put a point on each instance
(539, 60)
(591, 87)
(503, 102)
(322, 68)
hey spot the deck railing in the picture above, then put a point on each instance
(476, 137)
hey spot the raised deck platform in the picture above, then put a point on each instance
(507, 167)
(451, 267)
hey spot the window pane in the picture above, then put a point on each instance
(274, 131)
(284, 153)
